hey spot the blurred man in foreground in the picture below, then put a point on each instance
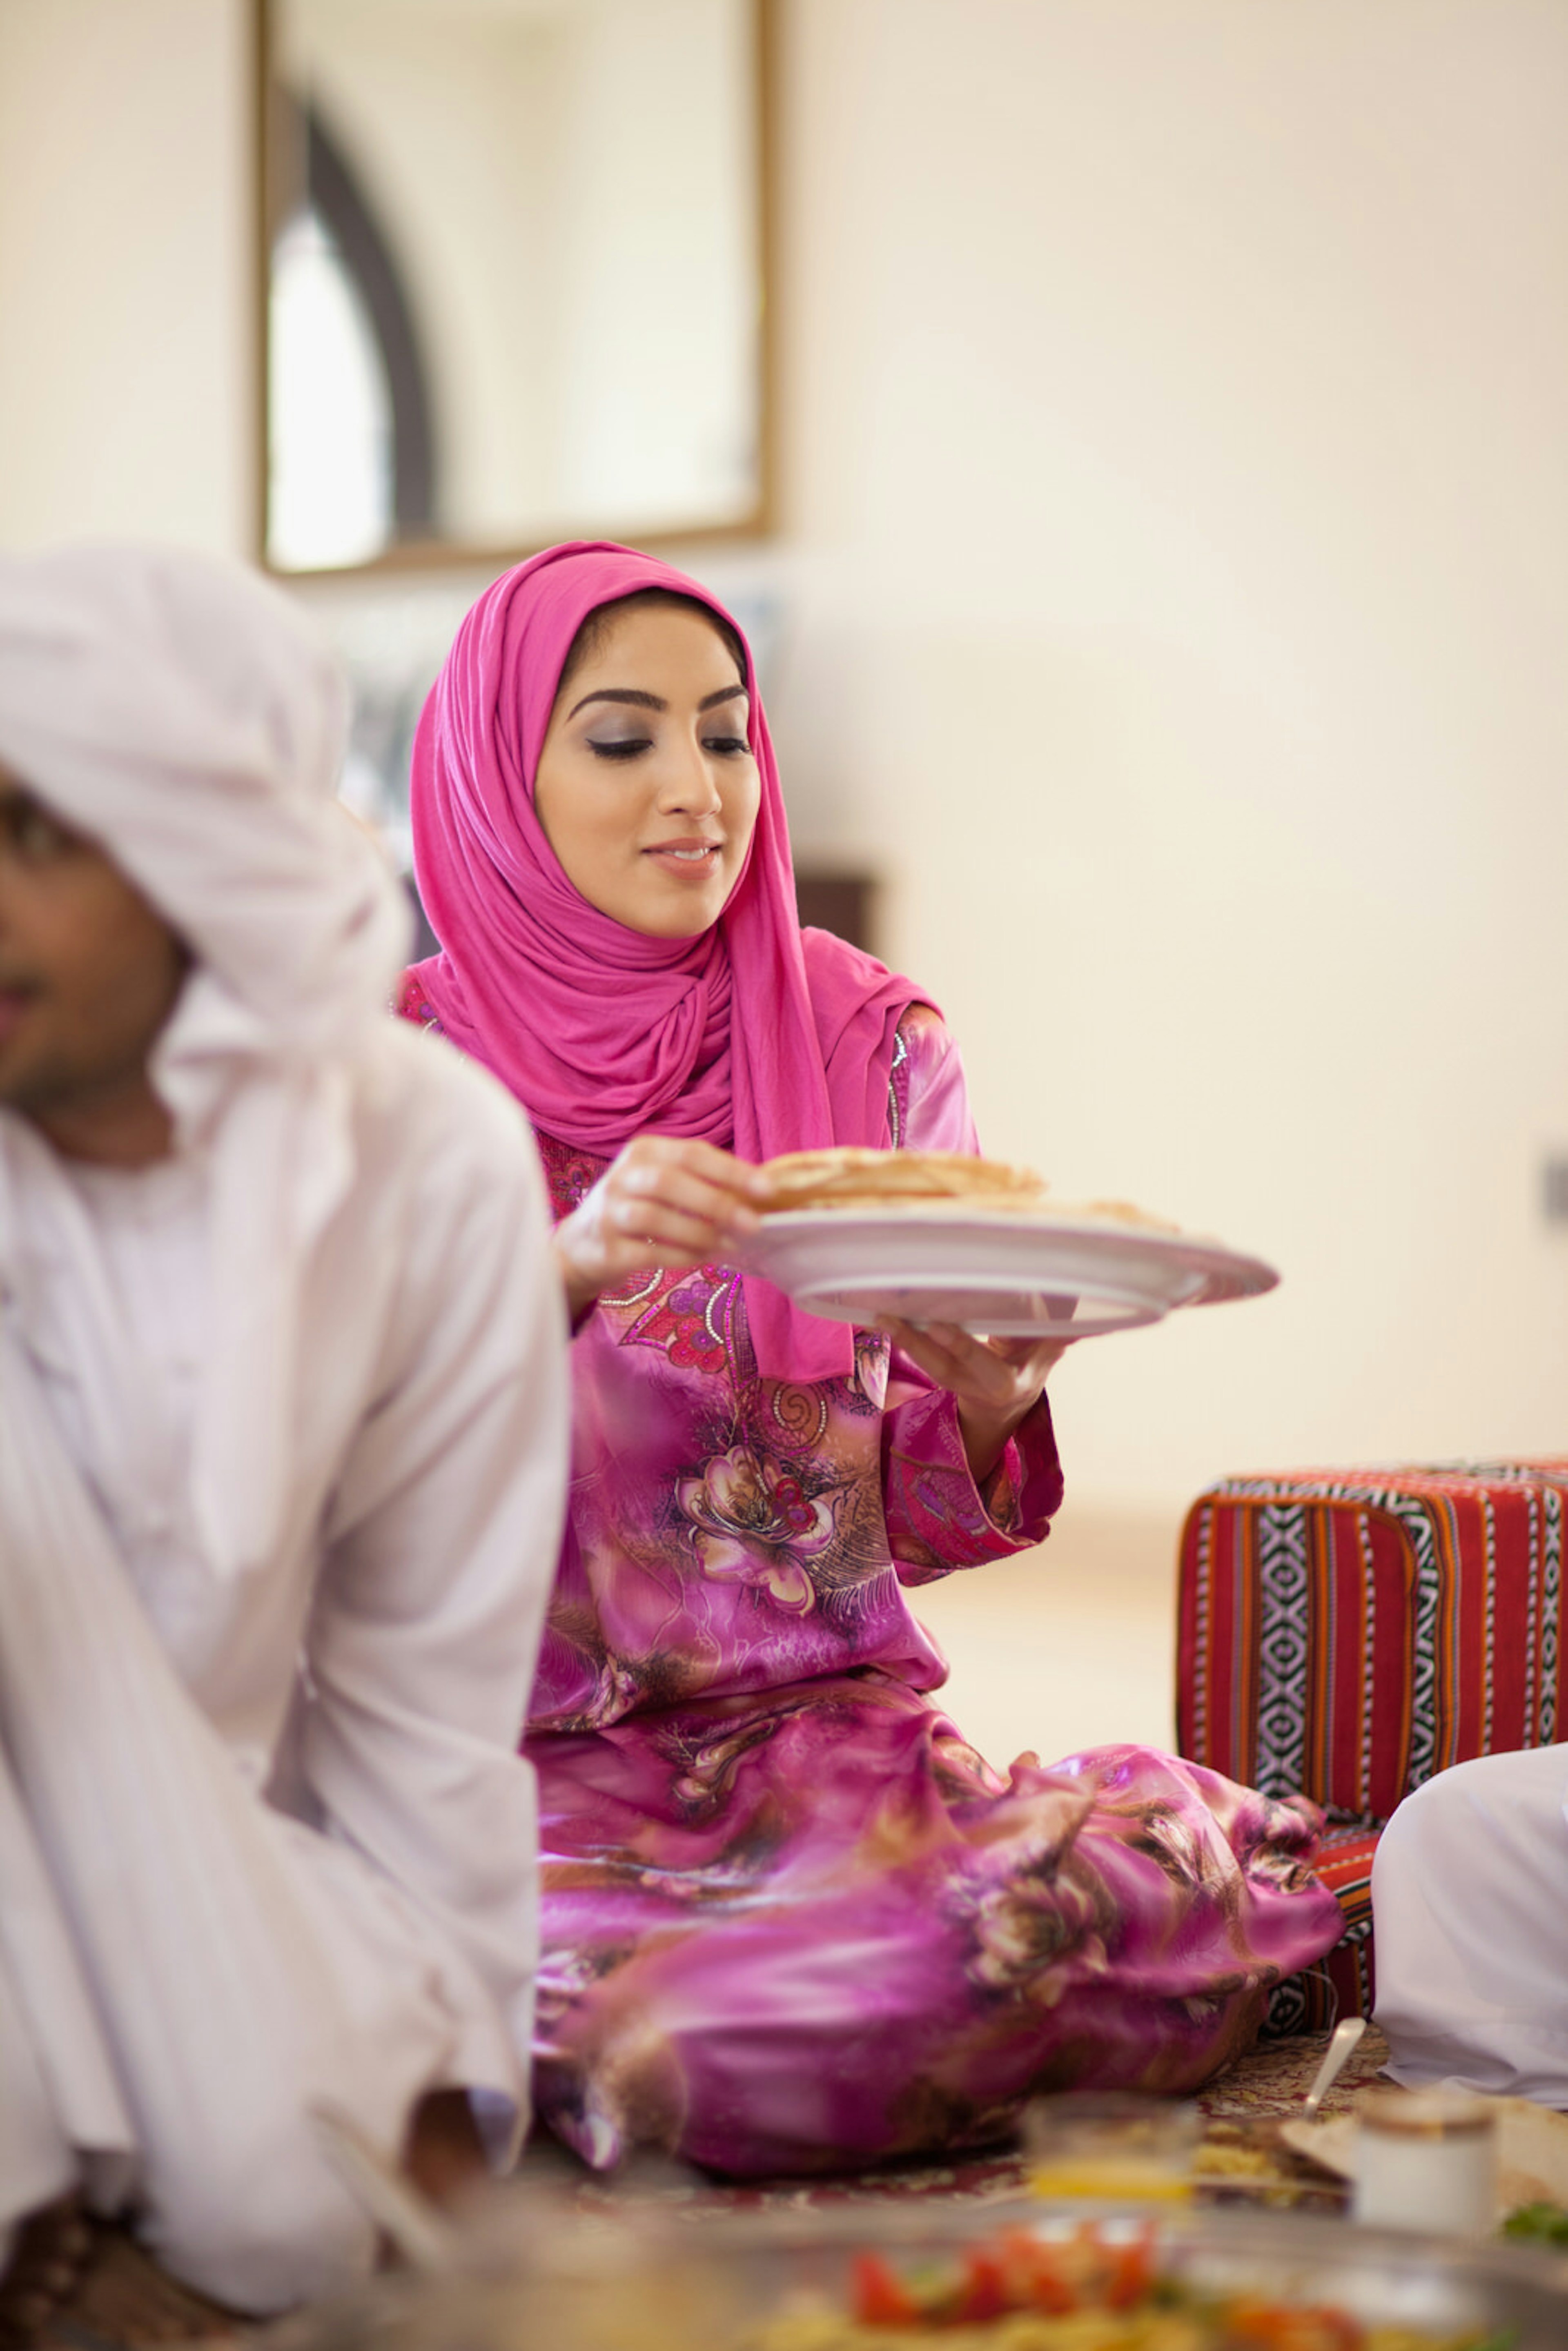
(282, 1452)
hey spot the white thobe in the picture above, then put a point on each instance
(1469, 1899)
(264, 1837)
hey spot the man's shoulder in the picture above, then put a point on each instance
(434, 1109)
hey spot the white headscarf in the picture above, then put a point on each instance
(180, 712)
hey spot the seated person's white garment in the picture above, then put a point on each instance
(282, 1457)
(1469, 1899)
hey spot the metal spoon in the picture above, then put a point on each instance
(1336, 2056)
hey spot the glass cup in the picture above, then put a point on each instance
(1425, 2159)
(1115, 2147)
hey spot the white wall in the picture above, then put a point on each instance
(1175, 567)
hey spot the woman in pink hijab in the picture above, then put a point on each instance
(792, 1922)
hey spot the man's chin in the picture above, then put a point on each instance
(35, 1086)
(112, 1117)
(19, 1081)
(18, 1008)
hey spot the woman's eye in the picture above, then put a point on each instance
(730, 747)
(623, 747)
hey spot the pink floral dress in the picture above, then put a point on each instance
(792, 1920)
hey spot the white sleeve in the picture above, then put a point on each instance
(441, 1552)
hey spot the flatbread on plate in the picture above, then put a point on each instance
(850, 1176)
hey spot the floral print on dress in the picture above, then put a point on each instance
(753, 1522)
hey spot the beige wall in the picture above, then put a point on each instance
(1176, 569)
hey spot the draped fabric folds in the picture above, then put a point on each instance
(181, 713)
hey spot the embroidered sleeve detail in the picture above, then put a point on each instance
(898, 1088)
(937, 1519)
(410, 1003)
(571, 1173)
(929, 1108)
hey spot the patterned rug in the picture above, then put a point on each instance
(1276, 2077)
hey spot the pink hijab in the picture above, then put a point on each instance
(754, 1036)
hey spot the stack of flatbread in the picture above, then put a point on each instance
(848, 1177)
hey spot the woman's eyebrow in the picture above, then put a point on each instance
(620, 694)
(641, 701)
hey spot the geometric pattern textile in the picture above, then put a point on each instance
(1349, 1633)
(1342, 1983)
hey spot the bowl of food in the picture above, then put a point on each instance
(672, 2274)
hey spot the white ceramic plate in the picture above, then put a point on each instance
(1012, 1276)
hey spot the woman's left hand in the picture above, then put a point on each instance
(997, 1382)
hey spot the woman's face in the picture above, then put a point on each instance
(646, 788)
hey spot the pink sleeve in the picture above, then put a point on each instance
(938, 1518)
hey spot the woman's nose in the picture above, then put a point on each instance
(690, 788)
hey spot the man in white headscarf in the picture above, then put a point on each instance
(282, 1454)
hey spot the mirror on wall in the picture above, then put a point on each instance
(513, 274)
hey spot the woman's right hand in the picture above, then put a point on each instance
(661, 1203)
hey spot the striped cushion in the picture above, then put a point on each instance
(1342, 1983)
(1348, 1633)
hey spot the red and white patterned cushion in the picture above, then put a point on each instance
(1348, 1633)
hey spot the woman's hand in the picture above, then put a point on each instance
(661, 1203)
(997, 1382)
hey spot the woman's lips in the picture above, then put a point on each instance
(687, 860)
